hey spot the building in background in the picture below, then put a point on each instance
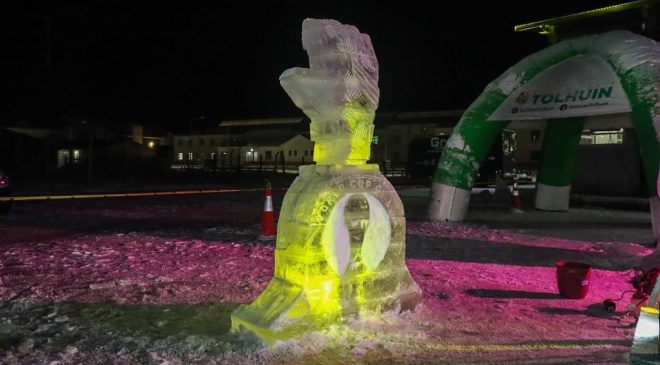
(267, 143)
(84, 147)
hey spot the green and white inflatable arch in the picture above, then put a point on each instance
(636, 62)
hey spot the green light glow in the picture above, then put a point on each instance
(350, 143)
(345, 258)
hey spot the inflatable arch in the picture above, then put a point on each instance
(634, 59)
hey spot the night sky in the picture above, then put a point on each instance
(165, 62)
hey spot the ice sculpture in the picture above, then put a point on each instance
(340, 247)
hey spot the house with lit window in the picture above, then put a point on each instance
(608, 160)
(252, 143)
(607, 145)
(78, 145)
(268, 153)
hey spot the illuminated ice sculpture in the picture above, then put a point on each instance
(340, 248)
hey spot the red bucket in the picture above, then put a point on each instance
(573, 279)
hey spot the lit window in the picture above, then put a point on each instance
(212, 155)
(179, 156)
(602, 137)
(374, 139)
(76, 154)
(190, 156)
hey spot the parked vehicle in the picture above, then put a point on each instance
(5, 190)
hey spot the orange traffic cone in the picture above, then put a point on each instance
(516, 203)
(267, 219)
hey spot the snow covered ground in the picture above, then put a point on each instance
(154, 280)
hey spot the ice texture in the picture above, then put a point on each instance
(340, 249)
(338, 92)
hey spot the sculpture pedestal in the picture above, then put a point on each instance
(340, 252)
